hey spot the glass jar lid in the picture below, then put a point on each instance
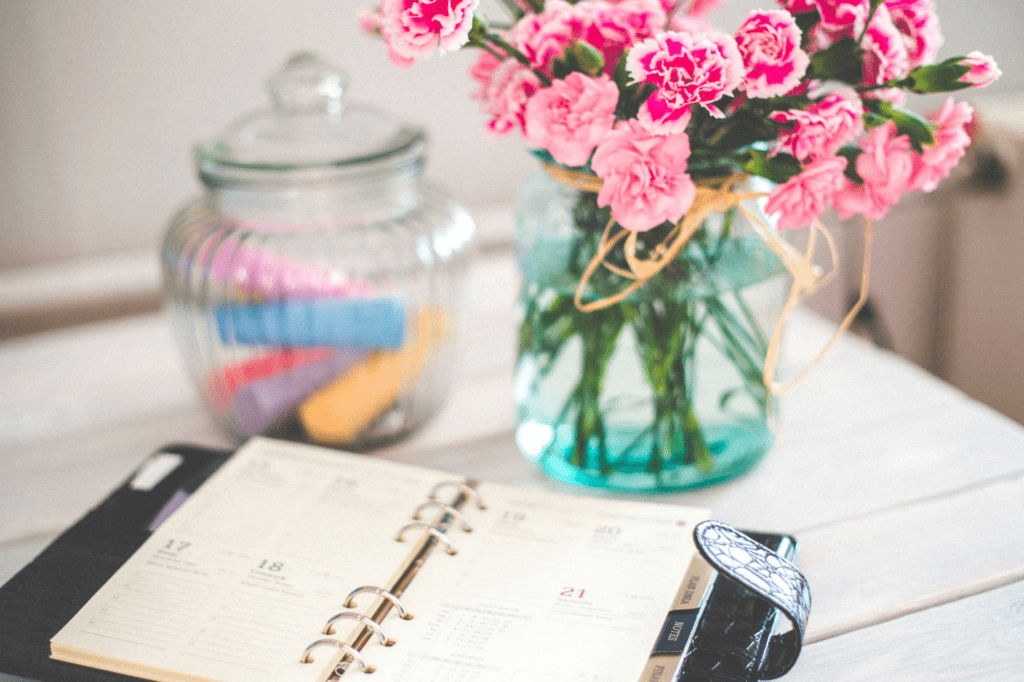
(310, 133)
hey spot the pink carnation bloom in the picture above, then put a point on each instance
(983, 70)
(687, 24)
(371, 22)
(645, 179)
(505, 88)
(843, 14)
(609, 27)
(701, 8)
(572, 117)
(798, 6)
(951, 141)
(772, 58)
(822, 128)
(415, 28)
(800, 200)
(918, 23)
(885, 166)
(885, 53)
(687, 69)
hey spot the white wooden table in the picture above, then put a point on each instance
(906, 496)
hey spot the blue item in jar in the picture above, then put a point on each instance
(344, 323)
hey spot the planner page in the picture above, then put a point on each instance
(243, 576)
(545, 588)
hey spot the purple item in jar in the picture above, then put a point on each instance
(260, 403)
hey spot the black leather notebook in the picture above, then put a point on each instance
(729, 641)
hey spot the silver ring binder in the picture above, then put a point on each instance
(449, 509)
(365, 620)
(395, 601)
(467, 490)
(347, 648)
(430, 529)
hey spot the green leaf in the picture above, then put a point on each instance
(851, 154)
(907, 123)
(805, 21)
(778, 169)
(873, 120)
(842, 61)
(740, 130)
(561, 67)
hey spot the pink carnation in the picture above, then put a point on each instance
(505, 88)
(687, 24)
(918, 23)
(800, 200)
(415, 28)
(951, 141)
(822, 128)
(770, 45)
(645, 179)
(983, 70)
(572, 116)
(687, 69)
(885, 54)
(885, 166)
(609, 27)
(843, 14)
(798, 6)
(700, 8)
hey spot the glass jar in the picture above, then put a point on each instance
(316, 285)
(662, 390)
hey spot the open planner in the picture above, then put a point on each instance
(293, 563)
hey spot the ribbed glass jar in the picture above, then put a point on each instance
(662, 390)
(316, 285)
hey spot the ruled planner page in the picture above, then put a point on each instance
(546, 588)
(240, 579)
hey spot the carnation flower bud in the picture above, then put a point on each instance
(589, 58)
(983, 70)
(973, 71)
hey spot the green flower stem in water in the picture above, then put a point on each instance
(653, 425)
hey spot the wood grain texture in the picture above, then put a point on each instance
(977, 639)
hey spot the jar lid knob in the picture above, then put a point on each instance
(306, 84)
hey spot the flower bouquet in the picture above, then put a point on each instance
(674, 155)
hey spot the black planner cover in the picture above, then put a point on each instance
(729, 641)
(48, 592)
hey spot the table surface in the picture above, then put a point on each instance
(905, 495)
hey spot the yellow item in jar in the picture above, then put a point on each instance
(338, 412)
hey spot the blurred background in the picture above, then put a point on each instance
(101, 102)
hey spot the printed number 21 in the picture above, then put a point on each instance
(572, 592)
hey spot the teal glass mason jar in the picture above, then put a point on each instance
(662, 390)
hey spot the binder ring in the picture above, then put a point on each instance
(448, 509)
(365, 620)
(467, 490)
(347, 648)
(395, 601)
(430, 529)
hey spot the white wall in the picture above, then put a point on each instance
(101, 101)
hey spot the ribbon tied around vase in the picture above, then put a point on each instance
(718, 195)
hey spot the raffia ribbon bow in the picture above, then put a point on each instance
(711, 196)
